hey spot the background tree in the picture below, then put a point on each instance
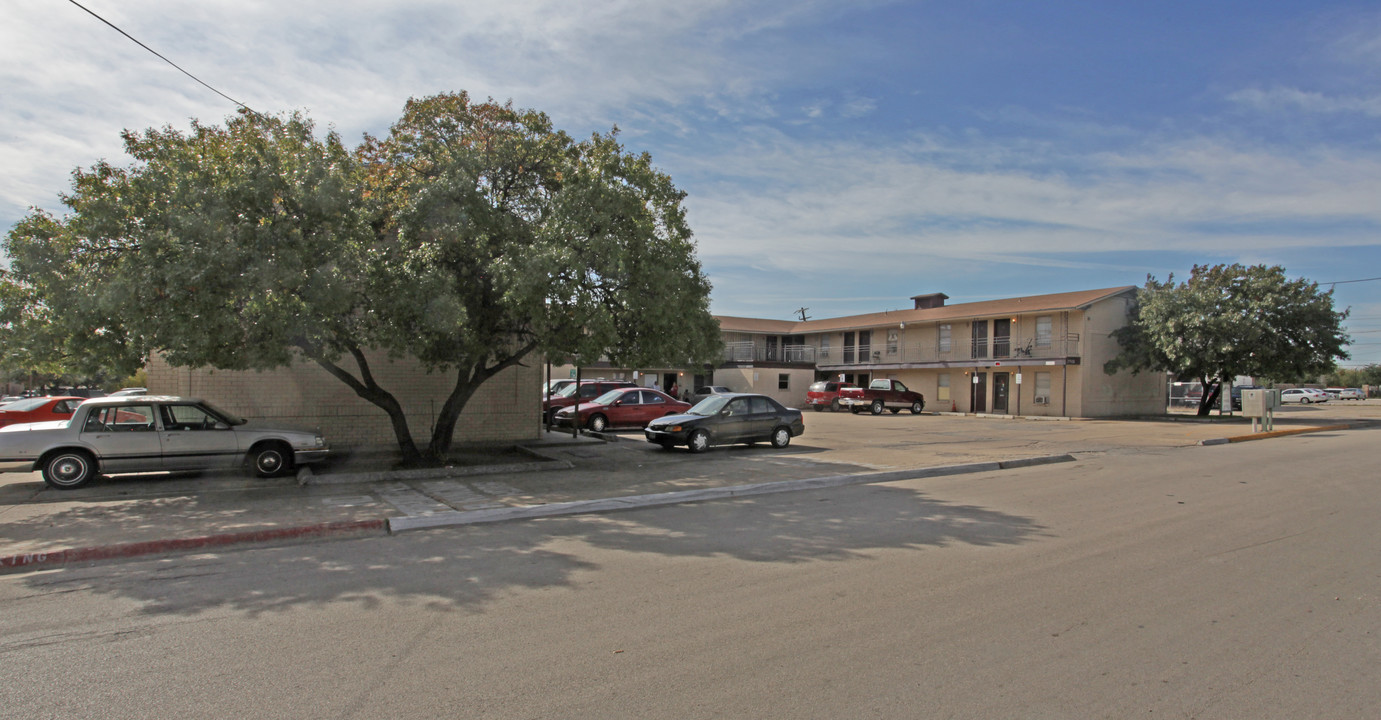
(1231, 320)
(470, 237)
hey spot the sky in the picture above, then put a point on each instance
(837, 156)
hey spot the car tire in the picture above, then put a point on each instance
(698, 442)
(878, 407)
(917, 407)
(1305, 400)
(598, 423)
(817, 408)
(781, 437)
(69, 469)
(834, 405)
(270, 459)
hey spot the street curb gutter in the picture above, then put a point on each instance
(632, 502)
(40, 560)
(1273, 434)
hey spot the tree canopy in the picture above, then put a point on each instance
(470, 237)
(1230, 320)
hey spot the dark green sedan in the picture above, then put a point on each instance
(728, 419)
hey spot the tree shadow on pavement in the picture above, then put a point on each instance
(467, 568)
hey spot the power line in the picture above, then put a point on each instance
(1344, 282)
(166, 60)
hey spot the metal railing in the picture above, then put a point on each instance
(754, 352)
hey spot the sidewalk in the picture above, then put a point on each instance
(556, 474)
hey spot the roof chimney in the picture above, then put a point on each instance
(933, 300)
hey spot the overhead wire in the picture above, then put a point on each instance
(164, 59)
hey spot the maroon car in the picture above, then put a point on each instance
(589, 390)
(623, 407)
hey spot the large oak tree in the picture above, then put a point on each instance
(1230, 320)
(471, 237)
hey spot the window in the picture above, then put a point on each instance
(944, 338)
(891, 342)
(130, 418)
(1043, 331)
(187, 417)
(980, 339)
(942, 391)
(783, 381)
(760, 405)
(824, 346)
(1042, 388)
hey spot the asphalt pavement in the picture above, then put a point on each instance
(557, 474)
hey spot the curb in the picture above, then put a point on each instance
(40, 560)
(1273, 434)
(633, 502)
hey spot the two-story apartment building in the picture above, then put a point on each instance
(1039, 355)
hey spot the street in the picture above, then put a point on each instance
(1237, 581)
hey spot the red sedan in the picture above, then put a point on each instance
(623, 407)
(39, 409)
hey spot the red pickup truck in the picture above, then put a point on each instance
(879, 395)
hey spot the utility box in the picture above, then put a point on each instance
(1260, 404)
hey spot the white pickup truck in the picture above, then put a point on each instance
(148, 433)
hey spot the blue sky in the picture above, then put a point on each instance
(838, 156)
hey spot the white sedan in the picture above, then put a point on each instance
(1304, 396)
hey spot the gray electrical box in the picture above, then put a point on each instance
(1259, 404)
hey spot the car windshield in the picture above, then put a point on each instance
(710, 405)
(26, 405)
(608, 398)
(229, 417)
(568, 391)
(817, 387)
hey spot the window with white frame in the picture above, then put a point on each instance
(942, 387)
(891, 342)
(784, 381)
(942, 344)
(1043, 331)
(824, 346)
(1042, 388)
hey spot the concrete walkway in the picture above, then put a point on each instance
(134, 516)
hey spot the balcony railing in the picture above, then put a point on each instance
(752, 352)
(1000, 347)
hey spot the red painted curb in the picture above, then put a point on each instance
(151, 547)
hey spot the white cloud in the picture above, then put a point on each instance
(1315, 102)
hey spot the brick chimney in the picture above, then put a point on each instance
(933, 300)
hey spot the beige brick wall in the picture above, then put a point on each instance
(505, 410)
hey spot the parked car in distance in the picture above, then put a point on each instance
(622, 407)
(129, 391)
(555, 385)
(882, 395)
(726, 419)
(39, 409)
(152, 433)
(1303, 396)
(588, 389)
(825, 394)
(1339, 393)
(705, 391)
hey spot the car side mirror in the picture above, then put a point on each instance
(222, 426)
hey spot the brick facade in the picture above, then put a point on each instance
(505, 410)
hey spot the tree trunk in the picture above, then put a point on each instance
(1210, 398)
(367, 388)
(468, 380)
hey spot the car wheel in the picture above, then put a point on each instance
(598, 423)
(1305, 401)
(698, 442)
(781, 437)
(877, 407)
(834, 405)
(817, 408)
(271, 459)
(917, 407)
(68, 470)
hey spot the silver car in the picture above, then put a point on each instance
(148, 433)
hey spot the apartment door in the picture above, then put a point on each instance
(1002, 339)
(979, 339)
(978, 394)
(848, 348)
(1000, 392)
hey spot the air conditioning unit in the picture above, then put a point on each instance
(1042, 401)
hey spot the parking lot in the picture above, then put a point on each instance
(153, 508)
